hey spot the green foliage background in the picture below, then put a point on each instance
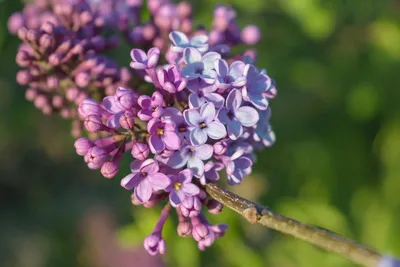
(336, 162)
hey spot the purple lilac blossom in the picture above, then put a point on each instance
(162, 135)
(181, 187)
(236, 116)
(192, 156)
(146, 179)
(198, 66)
(181, 41)
(141, 60)
(203, 124)
(151, 107)
(176, 133)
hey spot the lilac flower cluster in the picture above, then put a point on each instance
(207, 111)
(204, 118)
(62, 61)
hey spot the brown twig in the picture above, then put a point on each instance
(256, 213)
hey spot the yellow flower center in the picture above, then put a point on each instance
(203, 125)
(177, 186)
(160, 131)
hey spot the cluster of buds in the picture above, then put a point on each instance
(204, 119)
(62, 61)
(208, 109)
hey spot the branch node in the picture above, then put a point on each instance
(251, 214)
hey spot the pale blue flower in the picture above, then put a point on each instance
(203, 124)
(181, 41)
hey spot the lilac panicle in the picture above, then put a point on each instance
(186, 110)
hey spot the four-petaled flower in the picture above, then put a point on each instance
(146, 179)
(181, 41)
(152, 107)
(181, 186)
(232, 76)
(236, 116)
(237, 166)
(171, 80)
(256, 88)
(203, 124)
(198, 66)
(193, 156)
(141, 60)
(162, 135)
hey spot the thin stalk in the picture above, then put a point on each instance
(332, 242)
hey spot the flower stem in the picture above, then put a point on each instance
(332, 242)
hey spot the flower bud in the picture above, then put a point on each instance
(82, 146)
(140, 151)
(96, 157)
(109, 169)
(250, 35)
(93, 123)
(184, 228)
(89, 107)
(127, 120)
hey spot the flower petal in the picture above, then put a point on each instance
(216, 99)
(185, 176)
(234, 100)
(247, 116)
(138, 55)
(135, 166)
(191, 55)
(171, 140)
(137, 65)
(130, 181)
(196, 165)
(236, 69)
(243, 163)
(178, 38)
(143, 191)
(223, 115)
(156, 144)
(204, 152)
(221, 67)
(195, 101)
(113, 121)
(190, 189)
(149, 166)
(144, 101)
(159, 181)
(110, 104)
(239, 82)
(216, 130)
(235, 129)
(209, 59)
(192, 117)
(178, 159)
(154, 55)
(259, 101)
(175, 198)
(199, 40)
(198, 136)
(207, 113)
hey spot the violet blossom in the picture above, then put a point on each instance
(162, 135)
(203, 124)
(181, 187)
(141, 60)
(146, 179)
(198, 66)
(236, 116)
(181, 41)
(193, 157)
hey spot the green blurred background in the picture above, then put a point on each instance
(336, 162)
